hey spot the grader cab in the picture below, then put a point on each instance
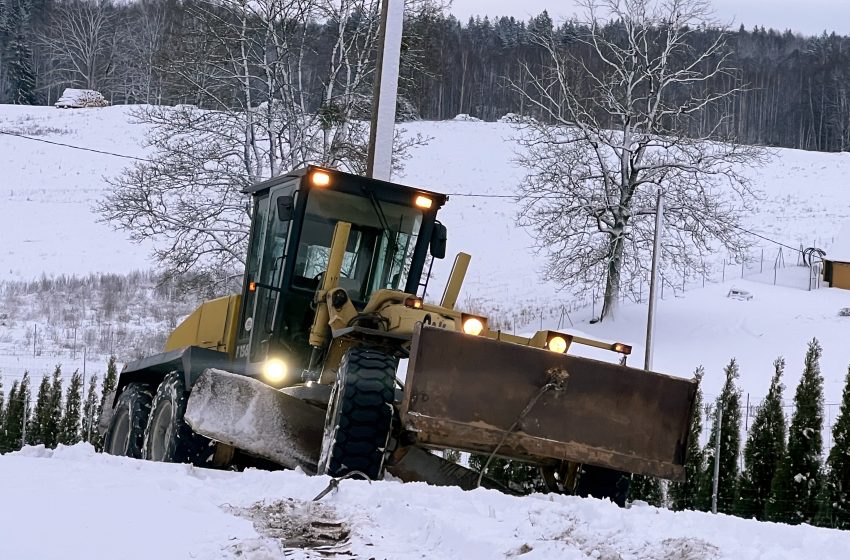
(301, 368)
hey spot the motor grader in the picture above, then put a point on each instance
(301, 369)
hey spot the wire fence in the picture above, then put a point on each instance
(749, 409)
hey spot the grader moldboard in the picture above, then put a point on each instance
(300, 368)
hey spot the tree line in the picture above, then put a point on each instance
(795, 89)
(58, 415)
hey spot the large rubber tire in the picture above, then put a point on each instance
(360, 414)
(125, 434)
(167, 436)
(599, 482)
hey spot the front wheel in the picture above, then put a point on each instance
(167, 437)
(126, 431)
(360, 412)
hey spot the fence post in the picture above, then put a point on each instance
(724, 270)
(761, 264)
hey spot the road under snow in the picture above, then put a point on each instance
(73, 503)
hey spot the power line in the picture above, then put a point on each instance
(465, 195)
(8, 133)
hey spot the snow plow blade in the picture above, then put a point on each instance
(464, 392)
(256, 418)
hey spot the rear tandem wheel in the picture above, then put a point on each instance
(125, 434)
(168, 438)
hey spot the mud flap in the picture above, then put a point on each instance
(464, 392)
(256, 418)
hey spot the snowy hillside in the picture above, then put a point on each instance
(47, 226)
(99, 506)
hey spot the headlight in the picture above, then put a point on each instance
(274, 370)
(473, 326)
(557, 344)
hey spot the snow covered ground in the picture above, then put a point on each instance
(99, 506)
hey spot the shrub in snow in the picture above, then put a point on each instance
(80, 98)
(844, 312)
(514, 118)
(466, 117)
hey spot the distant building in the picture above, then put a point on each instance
(836, 263)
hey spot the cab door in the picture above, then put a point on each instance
(262, 293)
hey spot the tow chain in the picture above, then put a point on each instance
(334, 483)
(556, 380)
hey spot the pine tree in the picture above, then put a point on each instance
(11, 440)
(88, 432)
(53, 413)
(683, 495)
(513, 474)
(793, 497)
(69, 427)
(647, 489)
(19, 72)
(834, 499)
(730, 444)
(109, 381)
(17, 414)
(40, 414)
(2, 410)
(764, 450)
(5, 445)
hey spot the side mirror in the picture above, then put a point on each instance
(438, 241)
(285, 208)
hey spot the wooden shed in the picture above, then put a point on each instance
(836, 262)
(836, 273)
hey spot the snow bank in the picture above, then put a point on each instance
(94, 503)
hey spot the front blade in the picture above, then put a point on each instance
(464, 392)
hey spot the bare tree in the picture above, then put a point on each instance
(81, 42)
(262, 110)
(610, 138)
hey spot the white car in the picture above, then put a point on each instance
(80, 99)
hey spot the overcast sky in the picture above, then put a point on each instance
(810, 17)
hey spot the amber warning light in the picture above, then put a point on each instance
(423, 202)
(321, 178)
(252, 286)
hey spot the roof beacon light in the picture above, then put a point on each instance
(423, 202)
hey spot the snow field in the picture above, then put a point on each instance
(99, 506)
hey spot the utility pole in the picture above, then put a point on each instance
(653, 281)
(716, 478)
(385, 90)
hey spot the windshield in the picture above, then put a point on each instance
(376, 256)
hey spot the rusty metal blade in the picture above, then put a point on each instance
(464, 392)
